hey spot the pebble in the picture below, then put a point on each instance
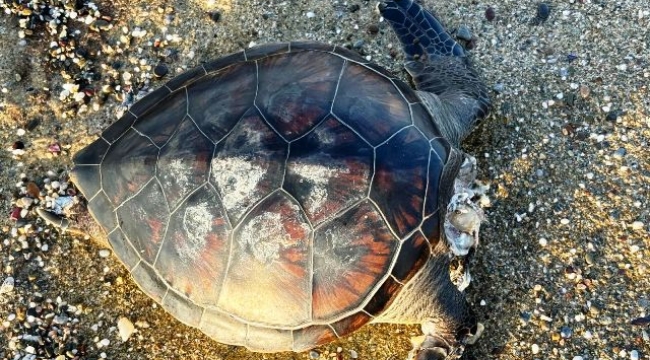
(566, 332)
(577, 357)
(620, 152)
(490, 14)
(564, 221)
(353, 354)
(463, 33)
(314, 354)
(160, 70)
(7, 285)
(311, 14)
(535, 349)
(634, 355)
(125, 328)
(103, 253)
(215, 16)
(543, 12)
(637, 225)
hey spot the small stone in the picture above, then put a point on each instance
(20, 132)
(620, 152)
(566, 332)
(463, 33)
(589, 258)
(373, 29)
(100, 25)
(160, 70)
(7, 285)
(314, 354)
(358, 44)
(637, 225)
(354, 8)
(577, 357)
(103, 253)
(215, 16)
(543, 242)
(584, 91)
(18, 145)
(490, 14)
(105, 342)
(535, 349)
(353, 354)
(30, 350)
(564, 221)
(634, 355)
(125, 328)
(543, 12)
(310, 14)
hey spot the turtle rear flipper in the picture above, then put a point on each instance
(440, 68)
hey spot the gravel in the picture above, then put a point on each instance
(562, 269)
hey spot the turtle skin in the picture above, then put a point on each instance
(277, 198)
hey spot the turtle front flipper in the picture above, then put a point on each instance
(448, 85)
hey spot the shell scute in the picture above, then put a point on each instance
(128, 166)
(422, 120)
(182, 308)
(194, 254)
(400, 180)
(350, 323)
(149, 281)
(186, 78)
(223, 62)
(184, 162)
(297, 46)
(274, 239)
(218, 100)
(143, 219)
(352, 252)
(118, 128)
(158, 123)
(150, 101)
(92, 154)
(265, 339)
(296, 92)
(266, 50)
(223, 327)
(101, 209)
(373, 106)
(383, 297)
(328, 170)
(248, 164)
(87, 177)
(123, 248)
(413, 254)
(310, 336)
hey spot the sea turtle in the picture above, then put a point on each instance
(283, 196)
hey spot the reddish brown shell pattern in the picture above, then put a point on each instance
(277, 198)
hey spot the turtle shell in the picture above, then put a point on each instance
(277, 198)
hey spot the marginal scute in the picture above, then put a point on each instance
(223, 62)
(265, 339)
(101, 209)
(350, 323)
(268, 276)
(159, 122)
(413, 253)
(400, 180)
(423, 121)
(122, 247)
(194, 254)
(128, 166)
(151, 101)
(218, 100)
(263, 51)
(144, 219)
(92, 154)
(383, 297)
(431, 203)
(145, 276)
(186, 78)
(321, 167)
(351, 253)
(296, 92)
(183, 164)
(370, 104)
(87, 179)
(297, 46)
(182, 308)
(223, 327)
(431, 229)
(311, 336)
(118, 128)
(248, 164)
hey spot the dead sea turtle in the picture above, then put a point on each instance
(283, 196)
